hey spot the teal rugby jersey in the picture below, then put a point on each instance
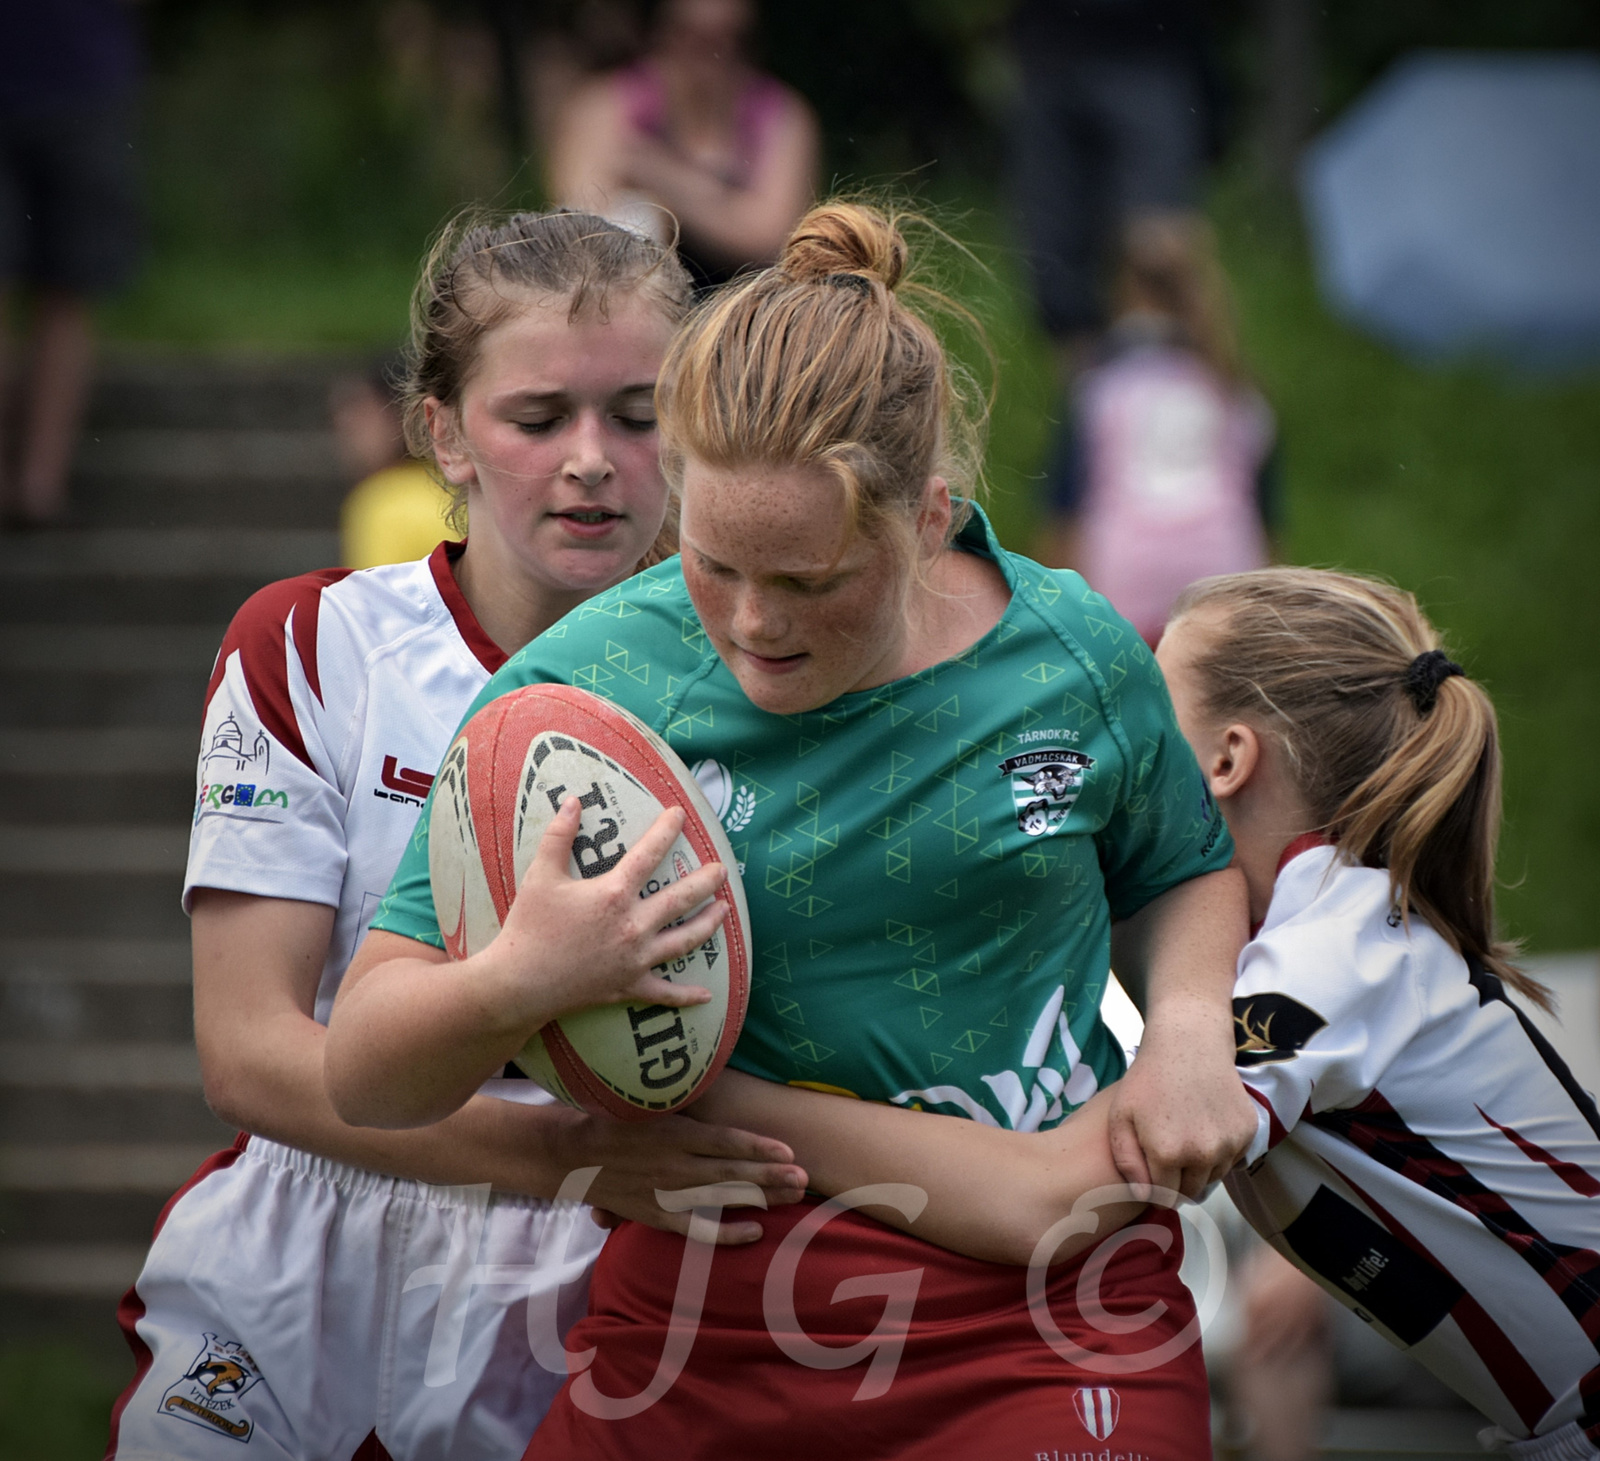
(932, 865)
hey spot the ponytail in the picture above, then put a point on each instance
(1394, 750)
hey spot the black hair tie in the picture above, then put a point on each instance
(859, 282)
(1425, 674)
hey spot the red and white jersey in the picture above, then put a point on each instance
(331, 705)
(1422, 1152)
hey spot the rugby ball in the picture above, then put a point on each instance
(503, 780)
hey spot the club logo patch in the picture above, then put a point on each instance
(1268, 1027)
(208, 1394)
(1099, 1407)
(1044, 785)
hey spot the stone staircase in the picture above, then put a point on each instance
(199, 480)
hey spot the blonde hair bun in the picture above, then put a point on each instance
(845, 238)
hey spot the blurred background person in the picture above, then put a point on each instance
(692, 132)
(1109, 121)
(1165, 470)
(69, 75)
(396, 511)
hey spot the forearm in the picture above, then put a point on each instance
(411, 1042)
(992, 1194)
(272, 1086)
(1180, 1117)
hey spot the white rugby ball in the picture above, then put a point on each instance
(503, 780)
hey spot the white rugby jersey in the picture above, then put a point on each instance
(1422, 1151)
(331, 704)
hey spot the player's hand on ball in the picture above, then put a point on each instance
(570, 943)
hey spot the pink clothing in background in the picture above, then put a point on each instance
(644, 96)
(1171, 454)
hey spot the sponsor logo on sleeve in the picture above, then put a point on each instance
(1044, 785)
(240, 797)
(222, 787)
(402, 783)
(1269, 1027)
(227, 753)
(208, 1394)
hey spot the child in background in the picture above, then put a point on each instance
(396, 511)
(1165, 472)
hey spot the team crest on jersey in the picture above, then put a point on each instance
(208, 1394)
(1268, 1027)
(1044, 785)
(733, 802)
(1099, 1407)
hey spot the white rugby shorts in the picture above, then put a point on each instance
(299, 1305)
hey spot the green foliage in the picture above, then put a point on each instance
(54, 1402)
(1482, 495)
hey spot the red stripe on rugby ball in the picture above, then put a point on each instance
(482, 735)
(566, 710)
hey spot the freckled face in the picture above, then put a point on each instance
(556, 440)
(801, 611)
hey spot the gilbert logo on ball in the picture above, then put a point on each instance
(503, 780)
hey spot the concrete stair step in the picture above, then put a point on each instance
(92, 851)
(102, 1271)
(110, 649)
(117, 501)
(68, 1067)
(134, 750)
(151, 576)
(151, 1168)
(146, 388)
(93, 796)
(84, 1216)
(138, 963)
(41, 699)
(227, 460)
(40, 1009)
(200, 480)
(67, 904)
(44, 1115)
(187, 553)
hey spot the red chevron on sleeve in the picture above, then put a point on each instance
(259, 635)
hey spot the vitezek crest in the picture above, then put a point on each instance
(1044, 785)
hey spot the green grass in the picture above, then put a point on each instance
(268, 303)
(54, 1403)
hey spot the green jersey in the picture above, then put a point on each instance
(932, 865)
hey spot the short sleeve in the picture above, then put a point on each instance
(1165, 828)
(1318, 1020)
(269, 813)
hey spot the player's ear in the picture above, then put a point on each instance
(448, 449)
(1235, 757)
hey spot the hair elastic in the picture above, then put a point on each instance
(1425, 674)
(859, 282)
